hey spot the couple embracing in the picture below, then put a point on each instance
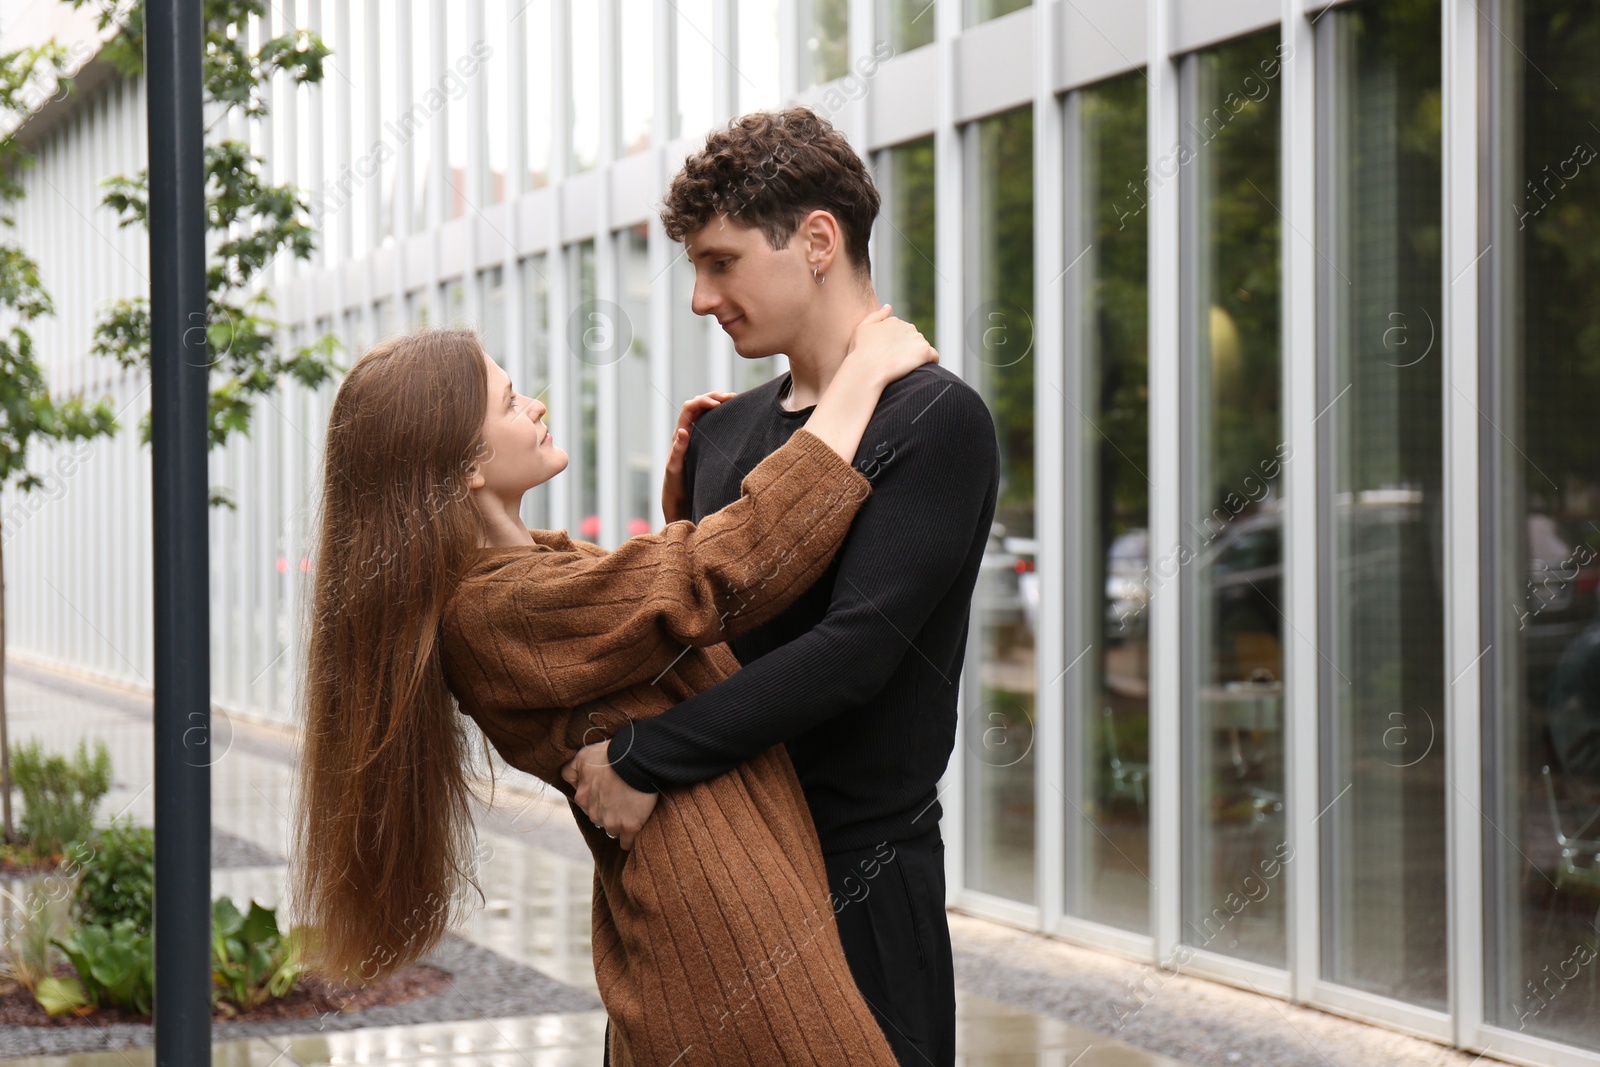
(749, 710)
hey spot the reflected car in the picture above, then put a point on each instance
(1007, 596)
(1127, 585)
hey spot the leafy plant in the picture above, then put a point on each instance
(119, 880)
(59, 795)
(115, 965)
(251, 960)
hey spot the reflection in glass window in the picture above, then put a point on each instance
(636, 72)
(453, 299)
(749, 373)
(1385, 671)
(1543, 718)
(587, 331)
(696, 63)
(983, 10)
(584, 116)
(1109, 881)
(492, 327)
(907, 277)
(824, 40)
(533, 21)
(641, 509)
(354, 337)
(907, 24)
(536, 370)
(691, 337)
(999, 357)
(1234, 455)
(756, 71)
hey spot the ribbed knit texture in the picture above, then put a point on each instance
(714, 938)
(860, 675)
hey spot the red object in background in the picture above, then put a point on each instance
(590, 527)
(283, 565)
(637, 527)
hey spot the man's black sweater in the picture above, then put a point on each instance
(860, 675)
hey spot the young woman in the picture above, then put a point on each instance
(714, 935)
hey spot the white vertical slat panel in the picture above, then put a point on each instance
(951, 272)
(1299, 337)
(1165, 464)
(1465, 636)
(1052, 709)
(609, 435)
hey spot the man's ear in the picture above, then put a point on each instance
(821, 240)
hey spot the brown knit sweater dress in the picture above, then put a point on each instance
(714, 938)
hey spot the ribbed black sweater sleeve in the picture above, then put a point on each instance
(932, 457)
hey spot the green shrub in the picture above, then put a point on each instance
(251, 960)
(59, 796)
(119, 878)
(116, 966)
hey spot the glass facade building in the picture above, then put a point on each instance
(1280, 651)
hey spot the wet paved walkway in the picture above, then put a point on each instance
(536, 876)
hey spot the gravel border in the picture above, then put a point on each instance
(484, 985)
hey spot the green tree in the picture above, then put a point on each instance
(28, 413)
(253, 220)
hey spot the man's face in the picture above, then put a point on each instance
(756, 293)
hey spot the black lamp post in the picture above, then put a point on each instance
(173, 41)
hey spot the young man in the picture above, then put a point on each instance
(859, 677)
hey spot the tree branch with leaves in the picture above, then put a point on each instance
(252, 220)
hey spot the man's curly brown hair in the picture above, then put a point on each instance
(769, 170)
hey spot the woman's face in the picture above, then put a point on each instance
(519, 452)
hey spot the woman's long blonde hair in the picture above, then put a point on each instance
(383, 826)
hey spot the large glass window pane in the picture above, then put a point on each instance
(419, 116)
(1383, 679)
(584, 113)
(588, 328)
(908, 24)
(696, 61)
(1233, 899)
(756, 71)
(640, 490)
(533, 21)
(999, 346)
(1544, 507)
(691, 338)
(824, 40)
(392, 215)
(636, 106)
(494, 120)
(983, 10)
(1109, 881)
(536, 370)
(907, 276)
(460, 196)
